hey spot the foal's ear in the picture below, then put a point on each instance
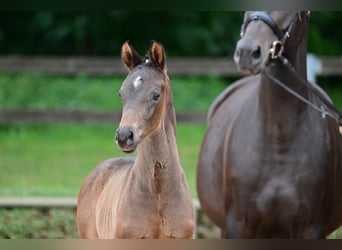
(157, 55)
(129, 56)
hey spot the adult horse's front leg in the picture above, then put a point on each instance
(233, 229)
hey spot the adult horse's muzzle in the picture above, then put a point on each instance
(249, 56)
(126, 139)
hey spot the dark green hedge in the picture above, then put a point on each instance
(183, 33)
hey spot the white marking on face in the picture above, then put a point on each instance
(137, 82)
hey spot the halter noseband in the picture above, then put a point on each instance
(277, 46)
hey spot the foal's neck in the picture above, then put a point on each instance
(157, 155)
(160, 145)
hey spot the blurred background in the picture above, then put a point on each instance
(183, 33)
(57, 117)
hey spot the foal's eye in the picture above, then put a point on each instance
(119, 94)
(155, 96)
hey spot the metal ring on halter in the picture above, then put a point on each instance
(276, 49)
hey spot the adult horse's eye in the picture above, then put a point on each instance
(155, 96)
(119, 94)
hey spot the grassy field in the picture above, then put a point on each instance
(54, 159)
(100, 93)
(23, 223)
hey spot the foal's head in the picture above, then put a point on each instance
(145, 93)
(260, 30)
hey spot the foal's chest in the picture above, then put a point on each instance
(166, 222)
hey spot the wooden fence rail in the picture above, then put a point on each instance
(38, 202)
(111, 65)
(54, 116)
(324, 66)
(47, 202)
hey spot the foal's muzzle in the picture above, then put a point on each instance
(125, 138)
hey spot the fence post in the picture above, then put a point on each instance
(314, 67)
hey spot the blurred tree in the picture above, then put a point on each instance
(324, 35)
(183, 33)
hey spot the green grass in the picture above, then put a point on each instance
(53, 160)
(100, 93)
(61, 224)
(38, 223)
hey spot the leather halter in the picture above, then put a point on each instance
(278, 45)
(276, 52)
(267, 19)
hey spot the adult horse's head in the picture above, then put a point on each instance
(144, 94)
(264, 34)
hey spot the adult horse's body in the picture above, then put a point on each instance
(146, 197)
(270, 166)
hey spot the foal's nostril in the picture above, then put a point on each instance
(124, 136)
(129, 138)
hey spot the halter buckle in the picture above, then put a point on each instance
(276, 49)
(324, 113)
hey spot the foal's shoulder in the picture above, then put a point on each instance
(106, 169)
(112, 165)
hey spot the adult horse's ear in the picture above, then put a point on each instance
(129, 56)
(157, 55)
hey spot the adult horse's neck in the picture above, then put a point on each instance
(157, 155)
(281, 106)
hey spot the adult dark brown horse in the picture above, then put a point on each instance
(270, 165)
(146, 197)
